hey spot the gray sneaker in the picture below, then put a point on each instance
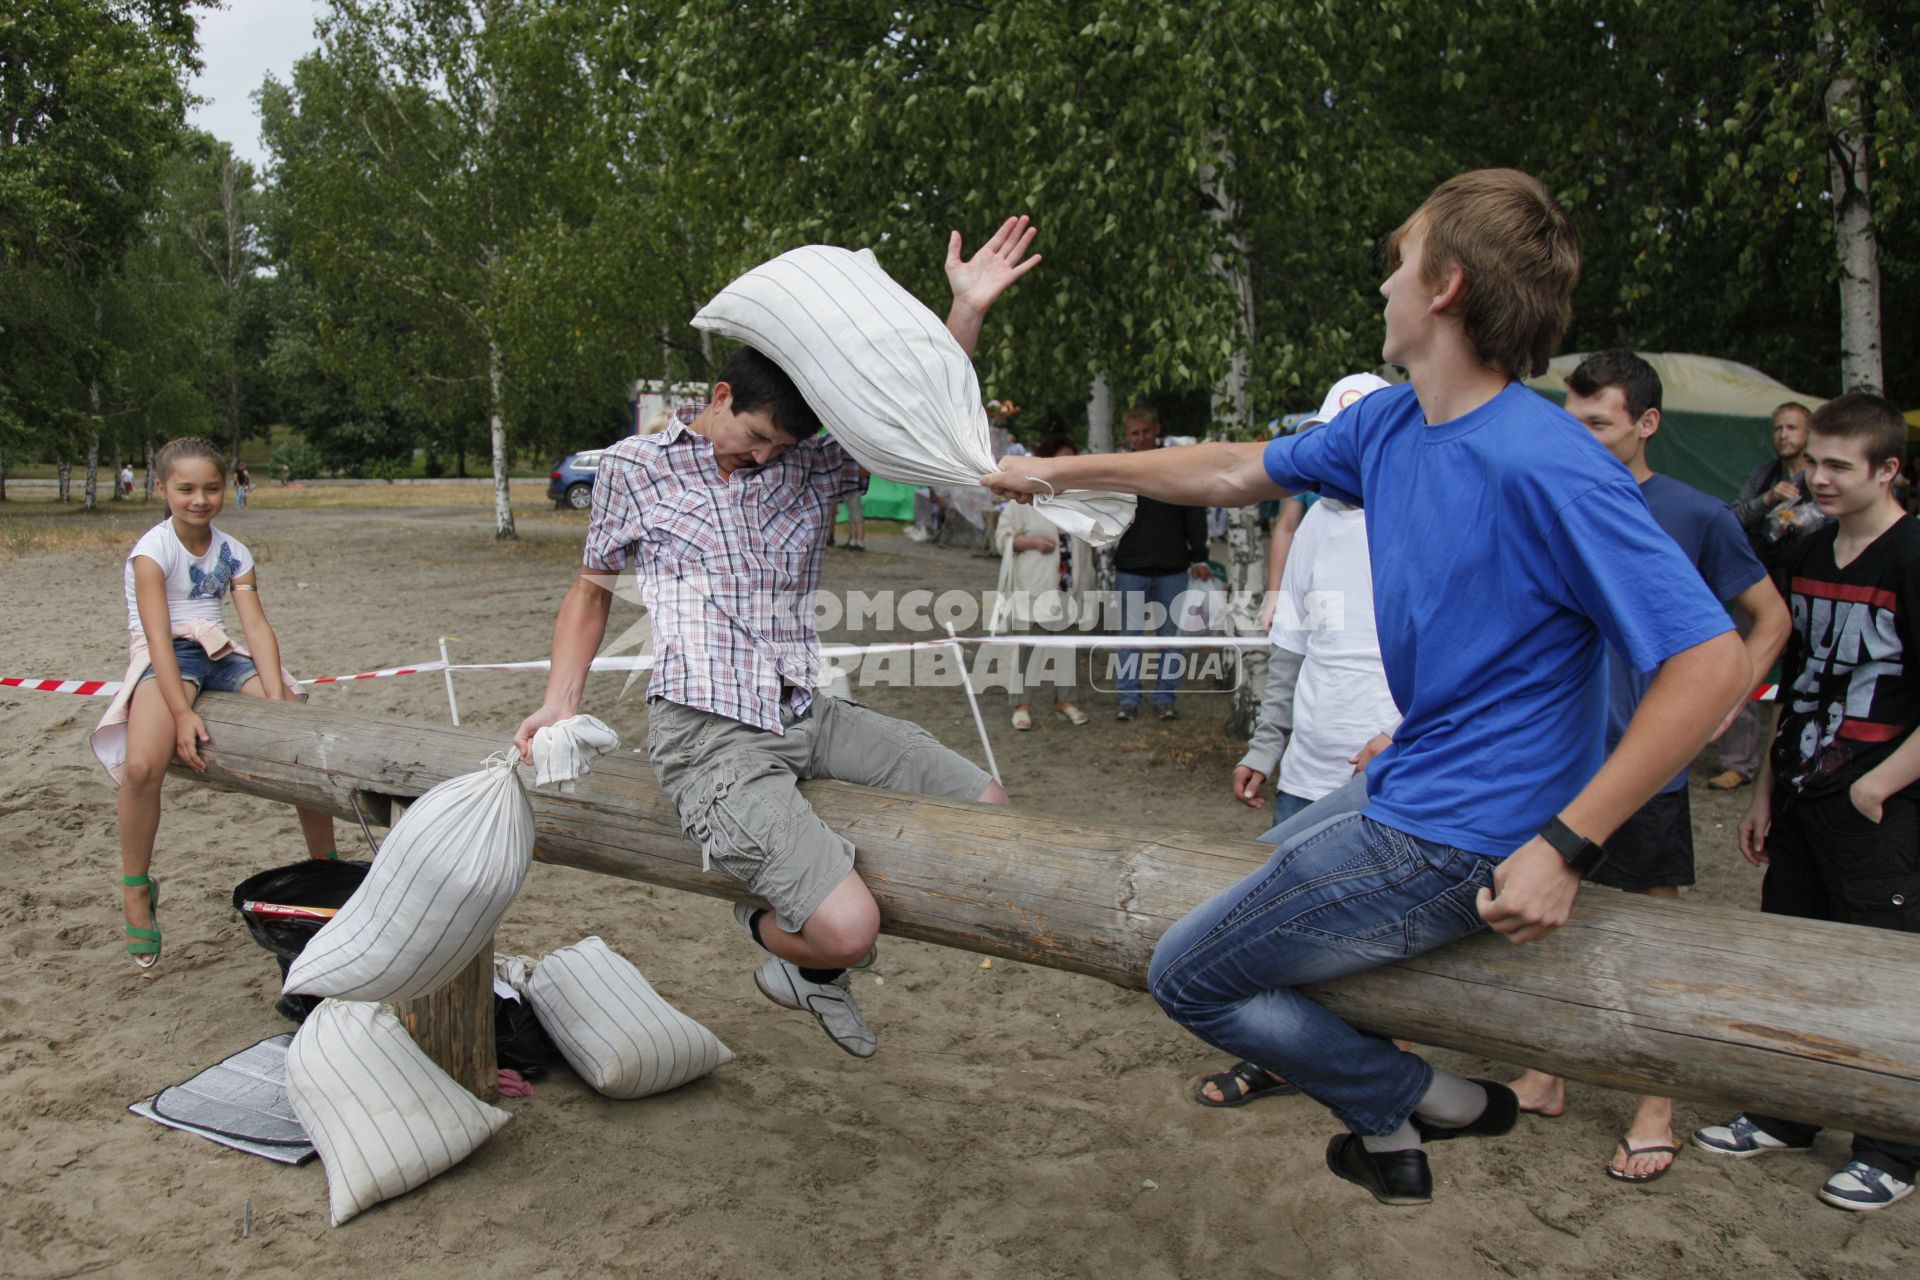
(745, 911)
(832, 1003)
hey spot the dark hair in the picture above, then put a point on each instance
(1053, 444)
(1870, 419)
(1637, 381)
(186, 449)
(1520, 254)
(759, 383)
(1792, 406)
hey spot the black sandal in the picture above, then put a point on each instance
(1245, 1081)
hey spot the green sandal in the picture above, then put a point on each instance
(144, 944)
(331, 855)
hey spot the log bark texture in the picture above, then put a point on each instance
(454, 1026)
(1795, 1018)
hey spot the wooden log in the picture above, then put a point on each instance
(1796, 1018)
(453, 1025)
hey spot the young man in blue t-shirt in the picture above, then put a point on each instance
(1508, 550)
(1616, 396)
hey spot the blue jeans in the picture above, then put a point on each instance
(1285, 805)
(204, 673)
(1342, 894)
(1137, 591)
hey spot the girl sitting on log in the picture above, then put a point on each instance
(178, 577)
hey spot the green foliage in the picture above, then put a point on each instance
(296, 460)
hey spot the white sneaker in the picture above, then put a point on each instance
(1861, 1188)
(832, 1003)
(1740, 1138)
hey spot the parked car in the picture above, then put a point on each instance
(571, 484)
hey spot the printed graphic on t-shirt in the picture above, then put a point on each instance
(1851, 636)
(211, 584)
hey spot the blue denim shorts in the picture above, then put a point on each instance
(223, 675)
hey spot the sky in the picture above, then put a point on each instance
(239, 46)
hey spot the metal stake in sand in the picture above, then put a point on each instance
(966, 682)
(446, 670)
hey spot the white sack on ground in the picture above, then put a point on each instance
(884, 375)
(445, 875)
(383, 1117)
(613, 1028)
(563, 751)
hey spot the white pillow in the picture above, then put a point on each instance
(447, 872)
(884, 375)
(612, 1026)
(383, 1117)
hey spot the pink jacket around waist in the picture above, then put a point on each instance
(109, 737)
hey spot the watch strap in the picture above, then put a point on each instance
(1582, 854)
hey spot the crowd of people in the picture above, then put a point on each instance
(1535, 644)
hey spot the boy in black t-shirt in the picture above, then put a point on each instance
(1835, 817)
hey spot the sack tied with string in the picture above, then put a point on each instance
(447, 872)
(884, 375)
(613, 1028)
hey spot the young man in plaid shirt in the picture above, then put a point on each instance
(724, 516)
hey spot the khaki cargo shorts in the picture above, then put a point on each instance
(736, 789)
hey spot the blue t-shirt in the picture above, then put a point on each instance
(1710, 536)
(1508, 549)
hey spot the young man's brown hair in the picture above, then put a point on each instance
(1141, 413)
(1871, 420)
(1520, 254)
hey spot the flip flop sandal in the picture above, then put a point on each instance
(1630, 1151)
(144, 944)
(1241, 1085)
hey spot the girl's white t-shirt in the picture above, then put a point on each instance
(1326, 614)
(197, 586)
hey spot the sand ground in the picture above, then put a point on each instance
(1016, 1122)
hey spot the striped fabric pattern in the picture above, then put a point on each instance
(612, 1026)
(881, 370)
(383, 1117)
(445, 875)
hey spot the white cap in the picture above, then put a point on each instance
(1345, 393)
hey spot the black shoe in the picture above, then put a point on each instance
(1167, 713)
(1503, 1111)
(1394, 1177)
(1126, 713)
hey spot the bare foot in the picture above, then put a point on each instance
(1241, 1082)
(1541, 1094)
(1652, 1127)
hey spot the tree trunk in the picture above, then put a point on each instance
(497, 425)
(453, 1025)
(1100, 415)
(1797, 1018)
(93, 470)
(1849, 157)
(63, 468)
(3, 471)
(1246, 584)
(149, 480)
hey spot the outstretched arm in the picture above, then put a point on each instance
(577, 633)
(1215, 474)
(978, 280)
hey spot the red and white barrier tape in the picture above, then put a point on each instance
(85, 688)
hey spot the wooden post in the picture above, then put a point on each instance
(1794, 1018)
(454, 1026)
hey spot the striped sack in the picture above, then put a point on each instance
(447, 872)
(895, 388)
(383, 1118)
(613, 1028)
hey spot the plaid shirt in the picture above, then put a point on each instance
(727, 565)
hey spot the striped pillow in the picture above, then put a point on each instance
(614, 1029)
(447, 872)
(883, 373)
(383, 1117)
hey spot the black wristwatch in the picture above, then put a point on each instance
(1582, 854)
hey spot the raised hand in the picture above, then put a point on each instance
(979, 280)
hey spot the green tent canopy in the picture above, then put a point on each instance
(1716, 419)
(885, 500)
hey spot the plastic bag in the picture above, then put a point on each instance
(447, 872)
(883, 374)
